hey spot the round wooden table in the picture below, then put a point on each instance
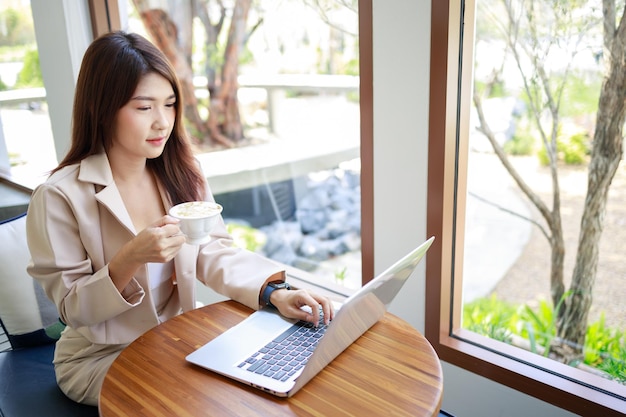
(391, 370)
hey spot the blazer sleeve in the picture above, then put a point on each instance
(233, 272)
(84, 295)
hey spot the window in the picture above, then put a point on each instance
(298, 158)
(27, 151)
(451, 168)
(346, 89)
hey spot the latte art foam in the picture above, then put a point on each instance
(196, 209)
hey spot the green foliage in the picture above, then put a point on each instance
(581, 95)
(498, 89)
(17, 27)
(341, 275)
(537, 327)
(490, 317)
(353, 97)
(246, 56)
(351, 67)
(605, 348)
(30, 75)
(479, 87)
(572, 150)
(522, 143)
(542, 155)
(245, 236)
(616, 366)
(14, 53)
(15, 159)
(603, 343)
(576, 149)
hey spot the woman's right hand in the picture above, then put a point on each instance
(157, 243)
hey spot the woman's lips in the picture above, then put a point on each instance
(156, 141)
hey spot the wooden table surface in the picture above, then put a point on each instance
(391, 370)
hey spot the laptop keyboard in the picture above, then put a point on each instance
(287, 354)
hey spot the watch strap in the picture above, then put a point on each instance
(270, 288)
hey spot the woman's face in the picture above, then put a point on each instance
(143, 125)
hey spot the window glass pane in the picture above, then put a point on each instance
(288, 175)
(543, 266)
(26, 147)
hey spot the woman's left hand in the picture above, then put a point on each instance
(290, 302)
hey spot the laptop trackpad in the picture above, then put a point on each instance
(241, 340)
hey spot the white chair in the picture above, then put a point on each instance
(31, 323)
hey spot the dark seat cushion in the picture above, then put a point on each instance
(28, 386)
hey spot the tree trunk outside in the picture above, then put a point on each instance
(223, 125)
(164, 34)
(552, 217)
(212, 31)
(224, 117)
(605, 158)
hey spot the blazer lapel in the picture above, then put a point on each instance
(96, 169)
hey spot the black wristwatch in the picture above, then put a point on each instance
(270, 288)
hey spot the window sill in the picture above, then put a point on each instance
(302, 279)
(558, 384)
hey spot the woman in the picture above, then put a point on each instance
(102, 245)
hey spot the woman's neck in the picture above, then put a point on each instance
(127, 170)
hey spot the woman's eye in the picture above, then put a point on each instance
(144, 108)
(171, 104)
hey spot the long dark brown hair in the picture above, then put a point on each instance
(110, 71)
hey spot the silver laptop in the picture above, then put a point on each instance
(259, 352)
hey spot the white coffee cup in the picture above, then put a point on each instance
(197, 219)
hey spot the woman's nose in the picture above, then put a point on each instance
(161, 121)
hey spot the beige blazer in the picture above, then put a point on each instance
(77, 221)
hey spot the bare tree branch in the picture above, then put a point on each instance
(512, 213)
